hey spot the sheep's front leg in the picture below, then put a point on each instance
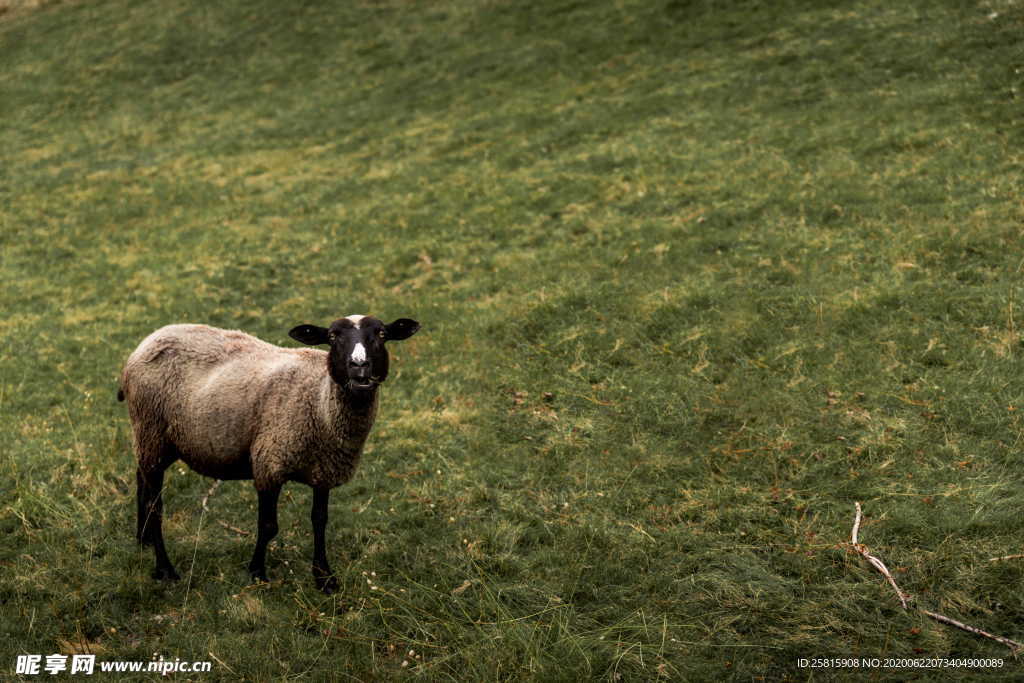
(322, 574)
(266, 529)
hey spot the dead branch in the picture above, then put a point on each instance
(1012, 644)
(216, 483)
(227, 526)
(877, 564)
(1006, 557)
(874, 561)
(856, 524)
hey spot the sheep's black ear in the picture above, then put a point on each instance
(403, 328)
(309, 334)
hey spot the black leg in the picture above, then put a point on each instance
(142, 506)
(149, 530)
(266, 530)
(322, 573)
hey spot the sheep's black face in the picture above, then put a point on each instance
(358, 359)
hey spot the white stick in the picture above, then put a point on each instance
(216, 483)
(1012, 644)
(880, 566)
(874, 561)
(227, 526)
(1006, 557)
(856, 523)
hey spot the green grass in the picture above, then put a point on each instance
(694, 278)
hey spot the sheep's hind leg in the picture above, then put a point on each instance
(149, 530)
(322, 574)
(266, 529)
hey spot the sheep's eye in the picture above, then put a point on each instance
(332, 336)
(380, 333)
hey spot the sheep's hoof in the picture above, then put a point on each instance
(259, 576)
(165, 574)
(327, 584)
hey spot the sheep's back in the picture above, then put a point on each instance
(207, 388)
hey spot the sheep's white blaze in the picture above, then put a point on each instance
(359, 353)
(356, 319)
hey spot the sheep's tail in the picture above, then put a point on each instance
(122, 384)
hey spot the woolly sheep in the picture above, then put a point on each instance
(234, 407)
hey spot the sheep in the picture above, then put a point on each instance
(234, 407)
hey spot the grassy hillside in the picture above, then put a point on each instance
(694, 278)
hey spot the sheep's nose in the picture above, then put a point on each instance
(358, 358)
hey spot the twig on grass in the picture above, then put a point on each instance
(1016, 647)
(1006, 557)
(195, 551)
(222, 663)
(216, 483)
(874, 561)
(1012, 644)
(856, 525)
(227, 526)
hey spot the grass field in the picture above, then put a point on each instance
(694, 278)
